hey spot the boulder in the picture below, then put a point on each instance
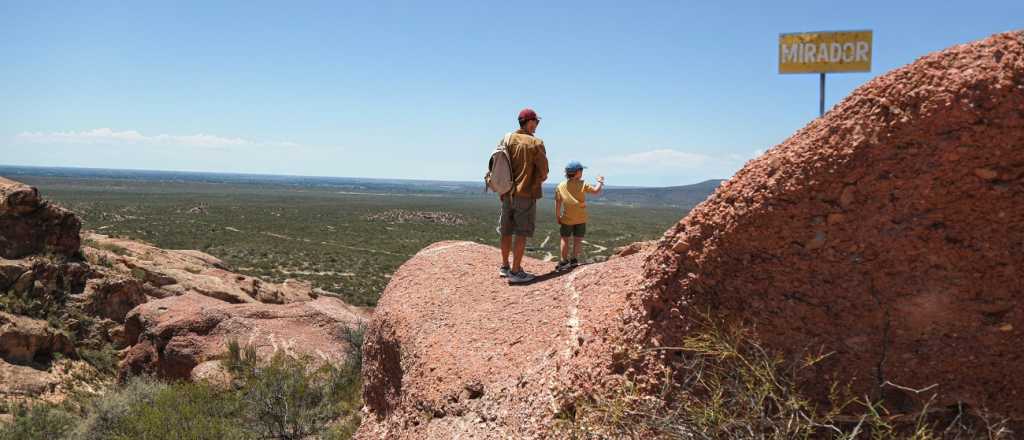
(29, 225)
(26, 341)
(113, 297)
(171, 336)
(453, 351)
(174, 272)
(888, 234)
(20, 381)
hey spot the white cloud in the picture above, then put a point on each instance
(107, 136)
(662, 158)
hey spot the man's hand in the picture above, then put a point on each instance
(600, 179)
(558, 219)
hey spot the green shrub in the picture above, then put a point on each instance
(41, 421)
(104, 359)
(145, 408)
(293, 398)
(106, 413)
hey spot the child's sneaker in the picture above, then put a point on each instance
(504, 271)
(574, 262)
(563, 265)
(520, 277)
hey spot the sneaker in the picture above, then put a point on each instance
(562, 265)
(574, 262)
(504, 271)
(520, 277)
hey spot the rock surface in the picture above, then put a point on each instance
(452, 351)
(889, 233)
(175, 272)
(30, 225)
(29, 341)
(171, 336)
(169, 309)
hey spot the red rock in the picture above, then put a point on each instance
(923, 250)
(986, 173)
(26, 341)
(170, 336)
(112, 298)
(29, 225)
(484, 359)
(175, 272)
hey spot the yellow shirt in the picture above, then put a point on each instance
(573, 195)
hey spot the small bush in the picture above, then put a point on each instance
(294, 398)
(104, 359)
(106, 413)
(42, 422)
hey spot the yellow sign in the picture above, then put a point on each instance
(825, 52)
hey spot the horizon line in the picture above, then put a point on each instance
(237, 173)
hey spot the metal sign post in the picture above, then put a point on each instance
(821, 95)
(825, 52)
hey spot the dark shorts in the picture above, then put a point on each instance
(518, 216)
(578, 231)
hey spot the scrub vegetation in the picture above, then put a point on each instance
(346, 240)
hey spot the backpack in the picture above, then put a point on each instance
(499, 169)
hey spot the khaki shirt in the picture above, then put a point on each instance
(529, 164)
(572, 194)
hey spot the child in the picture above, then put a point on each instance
(572, 194)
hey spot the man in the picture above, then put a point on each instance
(519, 206)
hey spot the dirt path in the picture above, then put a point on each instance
(599, 247)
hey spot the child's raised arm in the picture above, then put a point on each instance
(600, 185)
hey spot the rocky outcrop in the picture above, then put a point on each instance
(452, 351)
(170, 310)
(166, 273)
(30, 225)
(29, 341)
(171, 336)
(888, 234)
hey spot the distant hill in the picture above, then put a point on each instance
(686, 196)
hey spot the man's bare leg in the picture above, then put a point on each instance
(506, 248)
(577, 243)
(517, 253)
(565, 249)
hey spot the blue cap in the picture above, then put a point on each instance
(574, 166)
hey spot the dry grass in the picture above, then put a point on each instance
(730, 387)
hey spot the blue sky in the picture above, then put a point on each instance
(647, 93)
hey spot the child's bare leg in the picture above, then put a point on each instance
(576, 245)
(565, 249)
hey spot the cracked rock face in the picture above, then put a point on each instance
(889, 233)
(170, 337)
(30, 225)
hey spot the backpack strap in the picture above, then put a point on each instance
(511, 172)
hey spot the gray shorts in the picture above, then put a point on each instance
(518, 216)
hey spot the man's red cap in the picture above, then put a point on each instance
(528, 114)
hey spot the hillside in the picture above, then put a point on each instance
(685, 196)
